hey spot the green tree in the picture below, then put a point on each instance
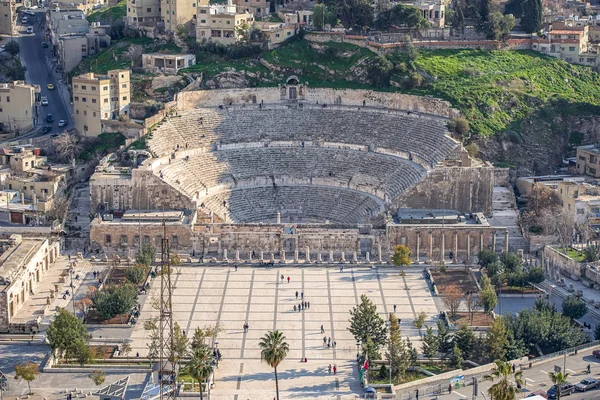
(12, 48)
(126, 349)
(98, 377)
(535, 275)
(28, 371)
(444, 339)
(559, 379)
(318, 16)
(531, 18)
(430, 344)
(487, 296)
(136, 274)
(504, 389)
(512, 262)
(154, 343)
(487, 257)
(355, 14)
(574, 307)
(497, 339)
(379, 70)
(456, 359)
(273, 350)
(405, 16)
(371, 349)
(464, 338)
(397, 349)
(179, 349)
(198, 339)
(401, 257)
(113, 300)
(366, 323)
(200, 366)
(67, 334)
(591, 253)
(146, 256)
(420, 320)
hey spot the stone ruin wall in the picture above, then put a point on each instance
(348, 97)
(465, 189)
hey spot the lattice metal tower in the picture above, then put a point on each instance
(168, 369)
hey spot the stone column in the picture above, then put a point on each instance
(442, 246)
(319, 259)
(278, 218)
(283, 256)
(343, 256)
(368, 257)
(260, 254)
(506, 242)
(430, 246)
(418, 247)
(237, 255)
(379, 253)
(273, 257)
(494, 242)
(330, 256)
(250, 255)
(296, 256)
(455, 247)
(480, 241)
(225, 255)
(307, 254)
(468, 246)
(354, 257)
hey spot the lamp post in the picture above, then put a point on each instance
(72, 290)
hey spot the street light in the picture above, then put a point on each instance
(72, 290)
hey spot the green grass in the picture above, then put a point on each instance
(436, 369)
(103, 144)
(576, 255)
(493, 89)
(109, 14)
(115, 57)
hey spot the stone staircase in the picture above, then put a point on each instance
(505, 214)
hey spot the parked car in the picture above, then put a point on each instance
(44, 101)
(62, 123)
(596, 353)
(46, 129)
(30, 29)
(586, 384)
(44, 45)
(50, 86)
(24, 20)
(49, 118)
(538, 393)
(565, 390)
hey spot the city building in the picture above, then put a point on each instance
(433, 11)
(166, 62)
(8, 17)
(143, 13)
(588, 161)
(24, 262)
(65, 21)
(258, 8)
(18, 107)
(72, 49)
(221, 23)
(176, 13)
(276, 33)
(29, 185)
(96, 98)
(582, 200)
(569, 43)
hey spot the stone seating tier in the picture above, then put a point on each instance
(294, 203)
(423, 136)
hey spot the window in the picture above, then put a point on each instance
(202, 21)
(106, 100)
(77, 112)
(148, 9)
(580, 211)
(76, 86)
(582, 158)
(289, 33)
(123, 240)
(124, 86)
(572, 48)
(94, 113)
(8, 99)
(146, 239)
(136, 240)
(76, 98)
(194, 5)
(85, 128)
(592, 171)
(175, 240)
(107, 239)
(122, 76)
(228, 22)
(93, 88)
(84, 100)
(124, 98)
(84, 112)
(83, 87)
(105, 88)
(94, 101)
(277, 35)
(202, 11)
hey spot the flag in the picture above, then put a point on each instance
(366, 365)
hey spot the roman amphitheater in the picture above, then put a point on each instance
(293, 173)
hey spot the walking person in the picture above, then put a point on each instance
(329, 368)
(288, 279)
(324, 340)
(302, 295)
(394, 308)
(308, 304)
(296, 294)
(322, 329)
(334, 369)
(282, 277)
(294, 307)
(334, 344)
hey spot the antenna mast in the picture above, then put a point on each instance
(168, 368)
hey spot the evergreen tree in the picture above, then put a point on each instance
(445, 343)
(456, 360)
(574, 307)
(430, 344)
(366, 323)
(68, 334)
(487, 295)
(397, 350)
(497, 339)
(531, 18)
(464, 338)
(485, 10)
(458, 21)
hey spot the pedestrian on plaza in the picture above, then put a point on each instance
(322, 329)
(137, 355)
(294, 307)
(394, 308)
(299, 307)
(281, 276)
(308, 304)
(450, 388)
(514, 368)
(329, 368)
(334, 369)
(296, 294)
(288, 279)
(588, 369)
(334, 344)
(302, 295)
(417, 394)
(324, 340)
(329, 341)
(235, 268)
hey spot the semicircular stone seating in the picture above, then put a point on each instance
(313, 183)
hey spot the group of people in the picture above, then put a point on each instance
(327, 341)
(303, 304)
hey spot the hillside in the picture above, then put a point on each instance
(516, 101)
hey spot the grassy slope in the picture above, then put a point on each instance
(114, 13)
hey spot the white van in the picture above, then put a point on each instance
(30, 29)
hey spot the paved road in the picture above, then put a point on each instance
(36, 60)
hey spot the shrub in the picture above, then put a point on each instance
(114, 300)
(146, 256)
(136, 274)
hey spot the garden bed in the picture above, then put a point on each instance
(464, 318)
(454, 277)
(93, 318)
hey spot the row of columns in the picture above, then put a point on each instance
(307, 259)
(455, 244)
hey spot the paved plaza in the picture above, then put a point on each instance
(204, 295)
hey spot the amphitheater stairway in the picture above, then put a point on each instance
(505, 214)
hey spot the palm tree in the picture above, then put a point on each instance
(558, 379)
(200, 366)
(504, 389)
(274, 349)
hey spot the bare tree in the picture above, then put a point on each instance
(59, 208)
(473, 304)
(68, 145)
(560, 223)
(451, 298)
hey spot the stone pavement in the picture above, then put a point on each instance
(203, 296)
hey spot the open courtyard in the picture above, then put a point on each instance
(203, 296)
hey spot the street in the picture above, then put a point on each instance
(37, 61)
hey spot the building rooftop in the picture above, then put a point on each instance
(15, 257)
(437, 217)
